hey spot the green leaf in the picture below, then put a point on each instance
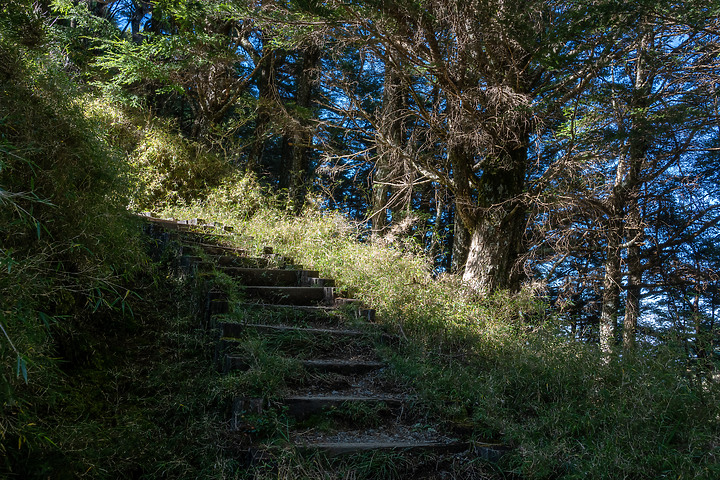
(45, 318)
(62, 6)
(22, 368)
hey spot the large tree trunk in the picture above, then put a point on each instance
(497, 230)
(266, 89)
(302, 136)
(639, 144)
(389, 146)
(634, 234)
(491, 260)
(611, 283)
(460, 246)
(379, 200)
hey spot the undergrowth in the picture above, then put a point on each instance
(99, 373)
(502, 367)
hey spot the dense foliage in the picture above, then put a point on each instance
(557, 143)
(519, 188)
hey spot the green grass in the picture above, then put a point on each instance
(501, 367)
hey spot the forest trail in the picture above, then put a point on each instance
(336, 399)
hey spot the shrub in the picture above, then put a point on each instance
(67, 243)
(170, 169)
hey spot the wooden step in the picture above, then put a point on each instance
(312, 281)
(293, 295)
(389, 437)
(174, 224)
(278, 306)
(343, 367)
(216, 303)
(301, 407)
(226, 263)
(214, 249)
(266, 277)
(333, 449)
(234, 330)
(367, 314)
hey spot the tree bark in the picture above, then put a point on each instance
(379, 201)
(389, 145)
(632, 298)
(140, 9)
(266, 88)
(497, 229)
(613, 278)
(460, 246)
(302, 136)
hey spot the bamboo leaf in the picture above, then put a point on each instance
(22, 368)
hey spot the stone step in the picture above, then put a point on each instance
(343, 367)
(270, 276)
(293, 295)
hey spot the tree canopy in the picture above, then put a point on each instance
(542, 143)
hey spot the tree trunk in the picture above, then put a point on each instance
(635, 268)
(302, 136)
(140, 10)
(625, 217)
(460, 246)
(266, 87)
(497, 231)
(632, 299)
(379, 201)
(639, 146)
(611, 284)
(490, 264)
(389, 145)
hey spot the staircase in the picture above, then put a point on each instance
(329, 391)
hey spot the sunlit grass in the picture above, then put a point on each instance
(501, 364)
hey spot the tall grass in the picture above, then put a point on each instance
(67, 243)
(504, 366)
